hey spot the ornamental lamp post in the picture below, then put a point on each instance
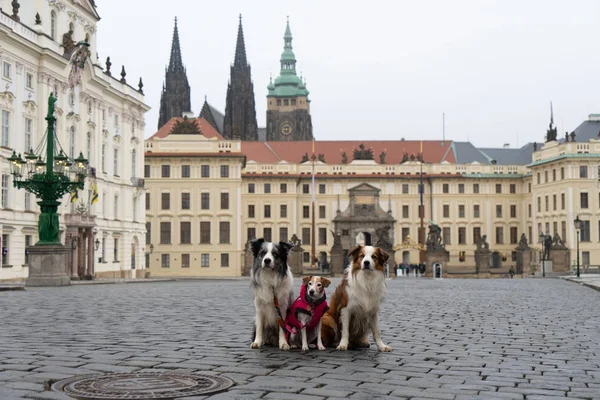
(578, 227)
(48, 180)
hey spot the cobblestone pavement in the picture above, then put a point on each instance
(452, 339)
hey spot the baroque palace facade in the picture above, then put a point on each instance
(216, 181)
(103, 118)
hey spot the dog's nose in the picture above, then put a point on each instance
(311, 292)
(366, 263)
(267, 261)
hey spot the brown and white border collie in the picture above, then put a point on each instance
(354, 307)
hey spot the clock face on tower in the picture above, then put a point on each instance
(286, 128)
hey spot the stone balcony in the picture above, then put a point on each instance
(80, 220)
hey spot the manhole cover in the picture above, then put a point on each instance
(141, 385)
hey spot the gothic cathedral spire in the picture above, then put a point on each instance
(175, 96)
(240, 111)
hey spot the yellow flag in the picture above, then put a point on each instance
(74, 196)
(94, 193)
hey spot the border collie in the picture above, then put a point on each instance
(272, 284)
(354, 306)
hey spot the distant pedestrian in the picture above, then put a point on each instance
(511, 271)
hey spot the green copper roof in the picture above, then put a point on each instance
(288, 83)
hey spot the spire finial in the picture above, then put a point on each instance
(205, 99)
(240, 18)
(240, 48)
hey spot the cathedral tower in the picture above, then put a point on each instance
(175, 96)
(288, 106)
(240, 110)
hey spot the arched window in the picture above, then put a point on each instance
(89, 146)
(133, 153)
(71, 27)
(72, 143)
(87, 37)
(53, 24)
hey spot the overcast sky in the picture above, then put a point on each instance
(380, 69)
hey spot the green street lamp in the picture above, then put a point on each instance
(48, 180)
(578, 226)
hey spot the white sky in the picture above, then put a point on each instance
(380, 69)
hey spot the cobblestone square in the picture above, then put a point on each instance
(452, 339)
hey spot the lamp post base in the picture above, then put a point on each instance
(48, 266)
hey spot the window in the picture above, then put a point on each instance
(585, 231)
(461, 188)
(166, 260)
(148, 232)
(529, 187)
(446, 235)
(283, 188)
(583, 171)
(267, 234)
(224, 201)
(165, 171)
(513, 211)
(165, 233)
(283, 211)
(224, 260)
(545, 176)
(205, 232)
(562, 172)
(445, 188)
(116, 162)
(72, 138)
(5, 190)
(476, 188)
(29, 133)
(205, 260)
(553, 174)
(563, 230)
(446, 211)
(583, 200)
(554, 202)
(539, 204)
(205, 171)
(185, 232)
(267, 188)
(116, 207)
(513, 235)
(498, 188)
(27, 244)
(53, 24)
(267, 211)
(205, 201)
(117, 120)
(251, 188)
(165, 201)
(185, 261)
(476, 234)
(405, 212)
(6, 70)
(224, 171)
(499, 235)
(103, 250)
(539, 179)
(306, 257)
(498, 210)
(585, 258)
(554, 228)
(513, 188)
(185, 201)
(305, 188)
(322, 235)
(283, 234)
(476, 211)
(405, 188)
(116, 249)
(322, 212)
(251, 233)
(29, 81)
(5, 128)
(322, 188)
(5, 247)
(104, 159)
(147, 200)
(529, 210)
(546, 203)
(305, 211)
(405, 233)
(27, 201)
(306, 235)
(251, 213)
(462, 235)
(185, 171)
(461, 211)
(224, 236)
(89, 147)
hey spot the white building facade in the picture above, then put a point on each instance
(103, 118)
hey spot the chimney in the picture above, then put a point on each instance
(506, 146)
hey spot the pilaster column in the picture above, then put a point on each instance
(90, 249)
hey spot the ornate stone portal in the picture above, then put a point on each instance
(363, 215)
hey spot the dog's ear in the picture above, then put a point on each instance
(384, 256)
(306, 279)
(255, 245)
(326, 282)
(286, 247)
(354, 251)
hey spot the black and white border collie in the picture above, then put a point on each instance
(270, 278)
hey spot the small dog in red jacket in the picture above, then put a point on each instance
(305, 314)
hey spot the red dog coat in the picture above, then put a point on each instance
(302, 305)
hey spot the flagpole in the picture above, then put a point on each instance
(421, 211)
(313, 245)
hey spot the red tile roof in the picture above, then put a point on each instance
(205, 128)
(273, 152)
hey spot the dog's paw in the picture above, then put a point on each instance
(305, 349)
(293, 346)
(284, 346)
(385, 348)
(342, 347)
(321, 347)
(255, 345)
